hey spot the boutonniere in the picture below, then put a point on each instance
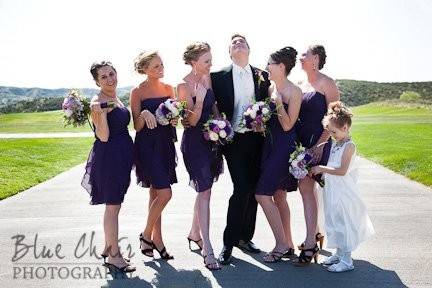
(260, 76)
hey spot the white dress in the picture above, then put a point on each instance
(346, 219)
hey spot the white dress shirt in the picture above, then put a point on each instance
(244, 92)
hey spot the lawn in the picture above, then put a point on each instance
(36, 122)
(396, 136)
(27, 162)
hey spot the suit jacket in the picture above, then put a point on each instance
(223, 88)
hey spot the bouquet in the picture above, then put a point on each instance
(76, 109)
(218, 131)
(256, 115)
(169, 110)
(300, 163)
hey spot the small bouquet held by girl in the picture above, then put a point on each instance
(219, 131)
(301, 163)
(256, 115)
(76, 108)
(170, 110)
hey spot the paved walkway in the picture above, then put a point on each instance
(400, 255)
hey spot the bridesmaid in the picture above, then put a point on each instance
(319, 91)
(155, 156)
(107, 175)
(275, 180)
(203, 163)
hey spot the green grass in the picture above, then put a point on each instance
(27, 162)
(36, 122)
(398, 136)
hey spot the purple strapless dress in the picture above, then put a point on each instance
(309, 127)
(155, 156)
(202, 159)
(109, 165)
(278, 145)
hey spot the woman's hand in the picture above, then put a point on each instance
(174, 122)
(315, 170)
(149, 119)
(316, 152)
(96, 107)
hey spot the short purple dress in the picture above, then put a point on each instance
(109, 165)
(202, 159)
(155, 156)
(309, 124)
(278, 145)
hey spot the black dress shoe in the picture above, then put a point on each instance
(225, 256)
(248, 246)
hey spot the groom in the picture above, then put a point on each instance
(235, 87)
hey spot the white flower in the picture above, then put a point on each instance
(222, 134)
(253, 114)
(265, 111)
(169, 104)
(213, 136)
(221, 124)
(175, 112)
(294, 163)
(68, 113)
(255, 107)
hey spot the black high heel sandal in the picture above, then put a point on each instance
(305, 260)
(163, 253)
(319, 239)
(148, 251)
(104, 256)
(195, 241)
(124, 269)
(289, 253)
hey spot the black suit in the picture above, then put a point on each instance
(243, 156)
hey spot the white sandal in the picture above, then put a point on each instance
(334, 259)
(340, 267)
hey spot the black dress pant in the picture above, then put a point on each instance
(243, 157)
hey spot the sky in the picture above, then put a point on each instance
(52, 43)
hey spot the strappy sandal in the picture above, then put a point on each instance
(319, 239)
(147, 251)
(289, 253)
(125, 269)
(163, 253)
(306, 256)
(276, 256)
(209, 265)
(197, 242)
(105, 256)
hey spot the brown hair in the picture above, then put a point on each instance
(94, 69)
(339, 114)
(235, 35)
(320, 51)
(143, 60)
(286, 56)
(194, 51)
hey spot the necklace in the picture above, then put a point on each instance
(339, 144)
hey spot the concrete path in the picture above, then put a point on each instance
(57, 211)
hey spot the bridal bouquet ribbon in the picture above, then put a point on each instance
(218, 131)
(169, 110)
(256, 115)
(300, 163)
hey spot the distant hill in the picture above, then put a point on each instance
(356, 93)
(353, 92)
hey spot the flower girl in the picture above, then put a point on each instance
(346, 220)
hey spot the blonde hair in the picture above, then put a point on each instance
(339, 114)
(194, 51)
(143, 60)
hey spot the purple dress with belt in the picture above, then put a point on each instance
(278, 146)
(155, 156)
(202, 159)
(309, 127)
(109, 165)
